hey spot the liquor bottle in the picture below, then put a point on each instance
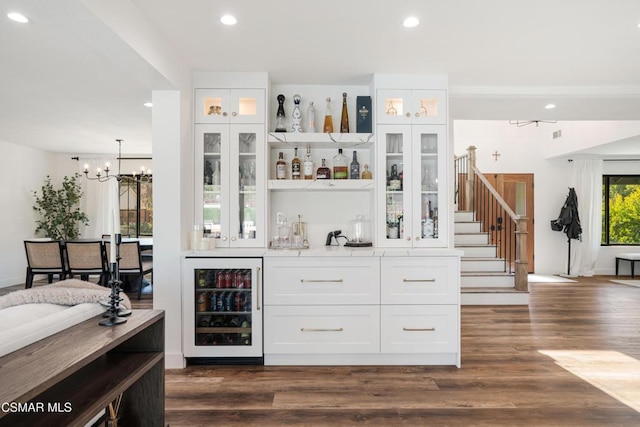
(280, 115)
(344, 120)
(366, 173)
(308, 164)
(394, 179)
(327, 127)
(354, 168)
(340, 166)
(281, 167)
(296, 115)
(311, 118)
(296, 165)
(401, 178)
(323, 171)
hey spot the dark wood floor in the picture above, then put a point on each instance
(505, 380)
(507, 376)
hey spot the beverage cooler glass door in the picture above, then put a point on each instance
(222, 307)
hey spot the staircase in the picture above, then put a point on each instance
(493, 239)
(485, 280)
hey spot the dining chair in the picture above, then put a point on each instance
(44, 257)
(87, 258)
(132, 264)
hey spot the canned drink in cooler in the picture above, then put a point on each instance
(228, 301)
(202, 301)
(219, 302)
(247, 279)
(247, 303)
(238, 301)
(213, 300)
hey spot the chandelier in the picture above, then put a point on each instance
(102, 175)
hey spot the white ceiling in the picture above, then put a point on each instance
(69, 83)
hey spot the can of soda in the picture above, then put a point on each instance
(219, 302)
(232, 279)
(247, 279)
(213, 300)
(201, 301)
(238, 301)
(247, 303)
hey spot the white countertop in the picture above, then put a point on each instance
(321, 251)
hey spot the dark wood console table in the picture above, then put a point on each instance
(71, 376)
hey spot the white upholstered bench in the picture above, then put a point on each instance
(631, 257)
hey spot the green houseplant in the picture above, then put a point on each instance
(58, 211)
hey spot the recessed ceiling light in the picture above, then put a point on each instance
(411, 22)
(550, 106)
(18, 17)
(148, 104)
(228, 20)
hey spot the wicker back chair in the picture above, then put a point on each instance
(132, 264)
(44, 257)
(86, 258)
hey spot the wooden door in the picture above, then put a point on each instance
(517, 190)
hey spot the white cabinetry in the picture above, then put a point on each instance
(420, 305)
(406, 106)
(229, 183)
(412, 202)
(361, 310)
(229, 106)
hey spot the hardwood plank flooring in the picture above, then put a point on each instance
(507, 378)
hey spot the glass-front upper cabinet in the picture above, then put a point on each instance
(411, 106)
(229, 106)
(413, 195)
(230, 185)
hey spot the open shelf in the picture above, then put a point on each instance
(321, 184)
(320, 140)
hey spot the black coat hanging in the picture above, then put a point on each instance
(569, 222)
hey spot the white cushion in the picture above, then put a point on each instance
(630, 256)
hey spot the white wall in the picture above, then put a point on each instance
(527, 150)
(23, 171)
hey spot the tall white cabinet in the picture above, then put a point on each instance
(394, 303)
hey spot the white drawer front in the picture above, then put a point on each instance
(417, 280)
(317, 281)
(419, 329)
(319, 329)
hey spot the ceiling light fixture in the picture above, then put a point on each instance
(550, 106)
(521, 123)
(148, 104)
(228, 20)
(18, 17)
(411, 22)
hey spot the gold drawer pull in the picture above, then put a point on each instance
(321, 280)
(418, 329)
(321, 330)
(418, 280)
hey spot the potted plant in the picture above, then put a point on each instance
(59, 214)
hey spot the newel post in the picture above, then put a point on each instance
(521, 262)
(470, 184)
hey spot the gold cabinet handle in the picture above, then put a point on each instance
(224, 114)
(234, 114)
(258, 287)
(418, 280)
(418, 329)
(321, 330)
(408, 114)
(224, 239)
(321, 280)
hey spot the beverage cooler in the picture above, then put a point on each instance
(222, 309)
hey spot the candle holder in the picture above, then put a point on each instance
(115, 314)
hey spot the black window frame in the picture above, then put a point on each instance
(606, 182)
(138, 198)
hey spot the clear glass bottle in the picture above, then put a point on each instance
(366, 173)
(311, 118)
(394, 180)
(323, 171)
(327, 127)
(308, 164)
(296, 165)
(344, 119)
(281, 167)
(340, 166)
(354, 167)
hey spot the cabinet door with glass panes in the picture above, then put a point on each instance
(411, 106)
(229, 106)
(222, 307)
(230, 184)
(412, 196)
